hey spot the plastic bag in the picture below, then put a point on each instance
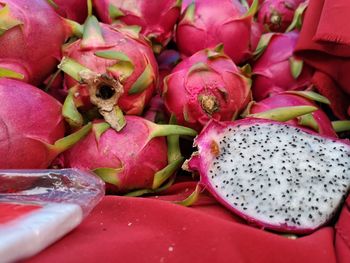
(37, 207)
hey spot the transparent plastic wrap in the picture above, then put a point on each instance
(37, 207)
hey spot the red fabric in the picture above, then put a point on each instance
(342, 239)
(325, 44)
(126, 229)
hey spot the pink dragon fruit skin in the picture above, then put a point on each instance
(272, 70)
(204, 86)
(31, 45)
(209, 159)
(140, 63)
(76, 10)
(205, 24)
(256, 32)
(29, 142)
(277, 15)
(133, 155)
(156, 18)
(285, 99)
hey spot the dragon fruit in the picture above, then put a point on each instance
(156, 18)
(134, 158)
(205, 24)
(116, 65)
(76, 10)
(204, 86)
(31, 45)
(31, 142)
(277, 69)
(256, 32)
(275, 175)
(317, 120)
(277, 15)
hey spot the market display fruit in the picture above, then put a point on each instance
(277, 15)
(275, 175)
(204, 86)
(31, 45)
(269, 147)
(119, 64)
(317, 121)
(276, 69)
(31, 127)
(156, 18)
(134, 158)
(205, 24)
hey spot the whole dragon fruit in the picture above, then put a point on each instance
(156, 18)
(134, 158)
(277, 15)
(76, 10)
(31, 142)
(317, 120)
(205, 24)
(277, 69)
(114, 66)
(31, 45)
(275, 175)
(204, 86)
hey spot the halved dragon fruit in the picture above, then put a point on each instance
(277, 15)
(205, 24)
(31, 45)
(277, 69)
(134, 158)
(156, 18)
(317, 120)
(31, 127)
(113, 67)
(275, 175)
(204, 86)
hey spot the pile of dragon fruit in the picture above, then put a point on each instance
(125, 88)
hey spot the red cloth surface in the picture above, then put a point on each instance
(125, 229)
(325, 44)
